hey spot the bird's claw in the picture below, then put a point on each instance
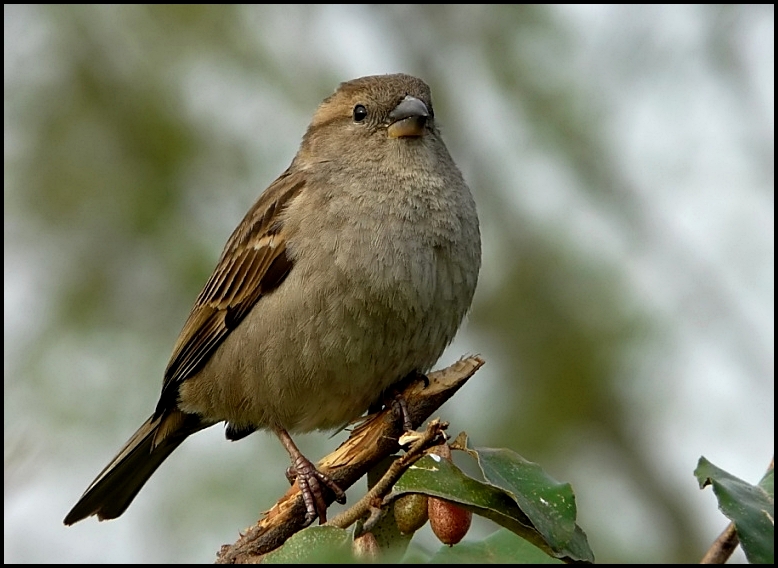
(310, 481)
(400, 410)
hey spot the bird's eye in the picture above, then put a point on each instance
(360, 113)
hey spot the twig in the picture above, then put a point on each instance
(723, 547)
(429, 437)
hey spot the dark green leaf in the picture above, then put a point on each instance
(433, 476)
(550, 505)
(502, 547)
(326, 545)
(768, 483)
(750, 507)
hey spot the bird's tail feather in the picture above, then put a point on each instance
(113, 490)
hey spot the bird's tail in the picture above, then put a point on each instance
(117, 485)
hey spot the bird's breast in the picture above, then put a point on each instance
(379, 285)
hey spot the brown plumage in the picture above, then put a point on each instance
(353, 269)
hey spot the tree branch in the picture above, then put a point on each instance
(370, 442)
(723, 547)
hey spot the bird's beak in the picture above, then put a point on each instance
(408, 118)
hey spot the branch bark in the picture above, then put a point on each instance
(723, 547)
(370, 442)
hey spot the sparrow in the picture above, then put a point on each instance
(352, 270)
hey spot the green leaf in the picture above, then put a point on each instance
(440, 478)
(550, 505)
(502, 547)
(326, 545)
(768, 483)
(750, 507)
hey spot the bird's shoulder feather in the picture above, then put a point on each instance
(254, 262)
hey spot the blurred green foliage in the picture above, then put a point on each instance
(119, 193)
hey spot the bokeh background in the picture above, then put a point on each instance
(622, 159)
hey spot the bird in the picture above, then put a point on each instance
(354, 269)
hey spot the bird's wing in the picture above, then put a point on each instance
(253, 263)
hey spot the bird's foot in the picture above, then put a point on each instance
(310, 480)
(400, 410)
(398, 403)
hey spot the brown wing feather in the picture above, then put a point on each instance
(253, 263)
